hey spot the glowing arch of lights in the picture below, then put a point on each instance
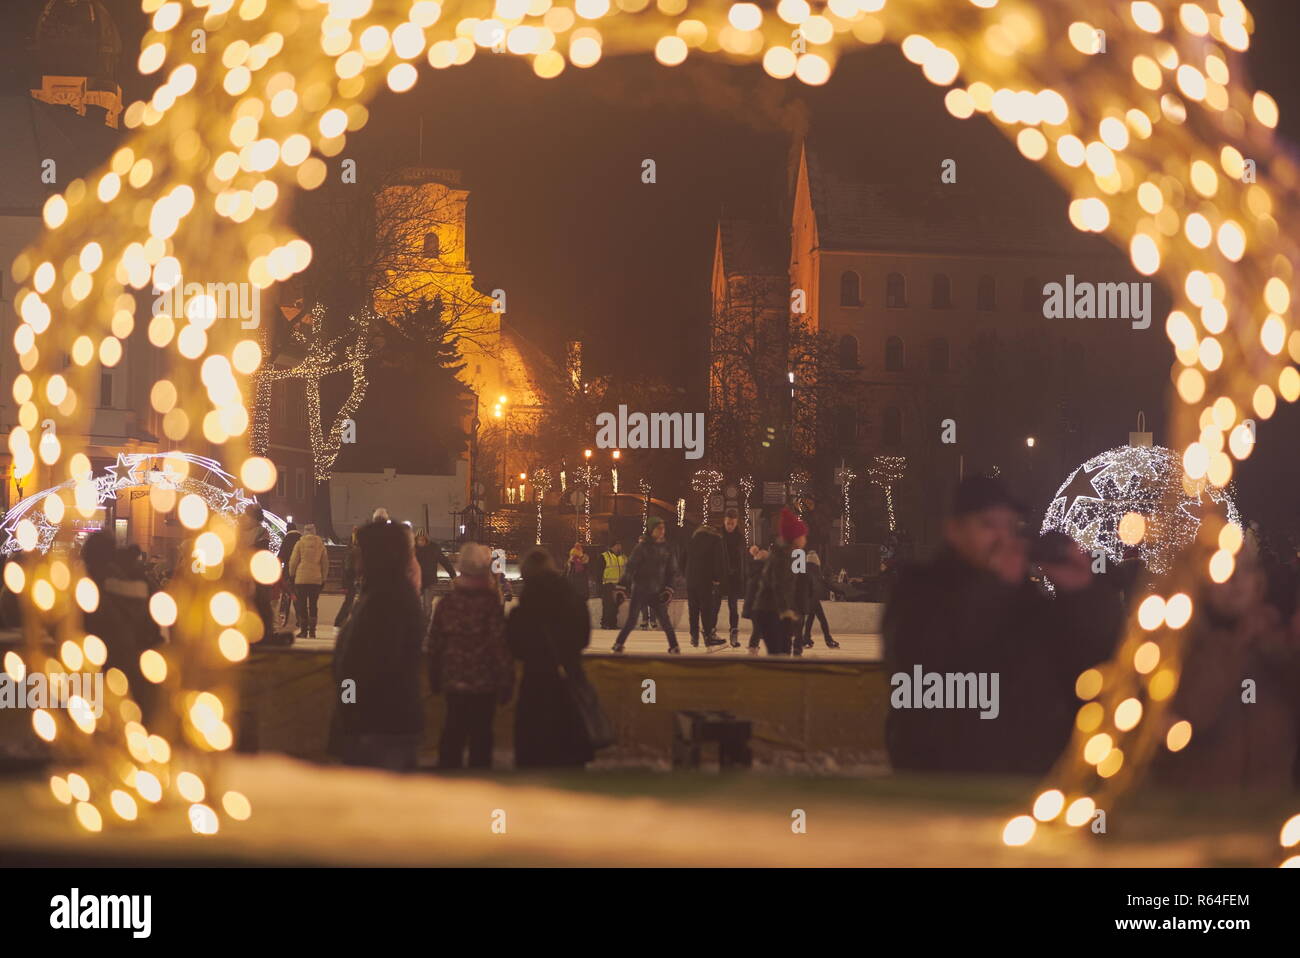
(1147, 481)
(27, 526)
(1139, 109)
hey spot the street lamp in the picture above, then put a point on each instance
(1030, 442)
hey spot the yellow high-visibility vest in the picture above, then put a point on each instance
(614, 565)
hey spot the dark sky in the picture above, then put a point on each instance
(559, 216)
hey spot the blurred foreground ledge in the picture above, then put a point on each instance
(306, 814)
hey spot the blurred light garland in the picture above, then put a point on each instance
(541, 484)
(1162, 144)
(747, 490)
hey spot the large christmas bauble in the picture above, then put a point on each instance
(1149, 481)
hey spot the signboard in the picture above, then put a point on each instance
(774, 493)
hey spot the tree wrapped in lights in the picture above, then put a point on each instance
(541, 485)
(1152, 144)
(681, 513)
(884, 472)
(798, 485)
(586, 477)
(747, 490)
(644, 485)
(705, 482)
(844, 477)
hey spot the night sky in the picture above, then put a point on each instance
(560, 218)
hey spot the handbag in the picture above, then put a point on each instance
(596, 725)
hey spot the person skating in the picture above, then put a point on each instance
(782, 599)
(651, 569)
(733, 587)
(706, 570)
(973, 610)
(818, 588)
(755, 561)
(309, 564)
(613, 564)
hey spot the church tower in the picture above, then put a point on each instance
(76, 50)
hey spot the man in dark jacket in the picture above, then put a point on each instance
(706, 570)
(972, 619)
(733, 587)
(651, 569)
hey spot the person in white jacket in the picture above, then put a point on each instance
(308, 566)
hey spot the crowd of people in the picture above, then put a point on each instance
(468, 647)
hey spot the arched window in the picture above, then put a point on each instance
(895, 291)
(848, 352)
(893, 427)
(939, 355)
(850, 288)
(986, 296)
(940, 292)
(432, 249)
(894, 354)
(846, 424)
(1031, 296)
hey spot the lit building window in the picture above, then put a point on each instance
(432, 248)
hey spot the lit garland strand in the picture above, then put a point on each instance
(645, 503)
(884, 471)
(541, 484)
(705, 482)
(681, 513)
(844, 477)
(747, 490)
(586, 477)
(1151, 140)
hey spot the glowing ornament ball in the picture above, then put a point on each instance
(1137, 498)
(1139, 109)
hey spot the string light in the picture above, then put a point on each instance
(844, 476)
(644, 484)
(884, 472)
(747, 490)
(218, 148)
(541, 485)
(1136, 497)
(705, 482)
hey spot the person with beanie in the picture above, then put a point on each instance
(706, 570)
(469, 661)
(651, 569)
(782, 599)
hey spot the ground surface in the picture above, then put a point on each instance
(306, 814)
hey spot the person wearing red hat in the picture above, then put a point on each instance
(782, 599)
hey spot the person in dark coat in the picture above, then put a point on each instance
(379, 717)
(291, 537)
(254, 536)
(755, 561)
(733, 587)
(351, 580)
(706, 570)
(651, 569)
(819, 587)
(469, 662)
(782, 600)
(1238, 690)
(973, 612)
(547, 630)
(121, 618)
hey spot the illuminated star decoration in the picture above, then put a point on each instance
(1147, 480)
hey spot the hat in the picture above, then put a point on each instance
(792, 527)
(977, 493)
(651, 523)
